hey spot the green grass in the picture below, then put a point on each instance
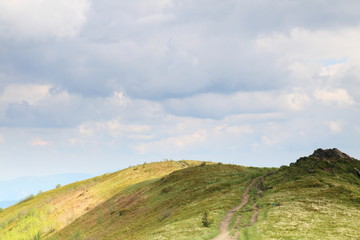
(301, 204)
(50, 211)
(171, 207)
(305, 215)
(310, 199)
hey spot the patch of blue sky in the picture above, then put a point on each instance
(332, 61)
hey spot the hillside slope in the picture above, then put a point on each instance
(49, 212)
(172, 207)
(16, 189)
(317, 197)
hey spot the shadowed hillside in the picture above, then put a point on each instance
(171, 207)
(49, 212)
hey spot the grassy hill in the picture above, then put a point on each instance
(171, 207)
(47, 213)
(318, 197)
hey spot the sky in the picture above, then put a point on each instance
(97, 86)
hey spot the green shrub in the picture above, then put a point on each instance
(31, 196)
(205, 219)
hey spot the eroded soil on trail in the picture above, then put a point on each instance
(225, 223)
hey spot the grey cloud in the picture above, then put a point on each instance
(318, 14)
(18, 111)
(262, 16)
(70, 65)
(221, 59)
(218, 106)
(52, 113)
(63, 110)
(206, 46)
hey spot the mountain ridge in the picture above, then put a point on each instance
(176, 199)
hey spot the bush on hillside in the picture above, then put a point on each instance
(31, 196)
(205, 219)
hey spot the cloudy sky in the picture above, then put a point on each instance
(94, 86)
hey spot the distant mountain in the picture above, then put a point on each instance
(317, 197)
(14, 190)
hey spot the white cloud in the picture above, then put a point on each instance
(2, 139)
(295, 101)
(267, 140)
(239, 130)
(335, 126)
(42, 18)
(331, 70)
(31, 93)
(190, 77)
(86, 131)
(119, 99)
(275, 134)
(185, 134)
(115, 128)
(357, 129)
(38, 142)
(182, 142)
(22, 96)
(336, 96)
(321, 59)
(154, 18)
(77, 141)
(305, 45)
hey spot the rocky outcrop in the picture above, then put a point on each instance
(330, 160)
(330, 155)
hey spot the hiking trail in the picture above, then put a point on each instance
(224, 224)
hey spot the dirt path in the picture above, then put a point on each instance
(224, 224)
(255, 215)
(252, 222)
(183, 165)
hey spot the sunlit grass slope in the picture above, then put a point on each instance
(47, 213)
(318, 197)
(171, 207)
(314, 198)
